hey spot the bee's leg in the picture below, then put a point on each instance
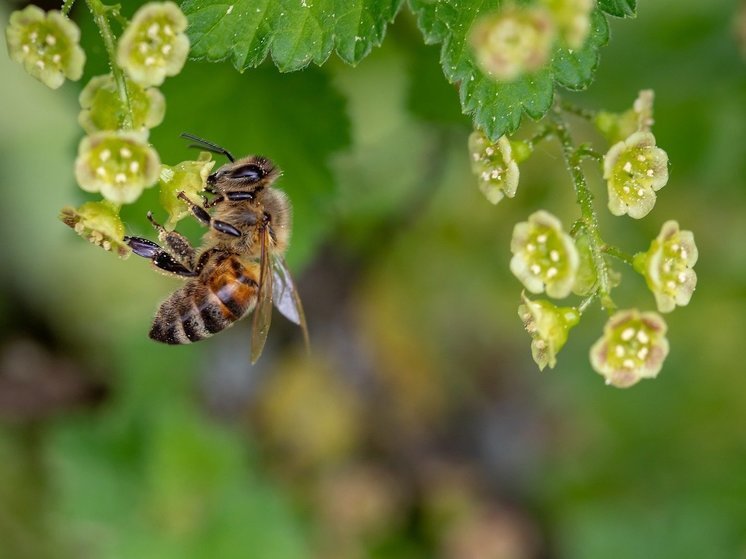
(205, 219)
(176, 243)
(160, 258)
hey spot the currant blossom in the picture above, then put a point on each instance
(494, 165)
(103, 108)
(189, 177)
(513, 41)
(154, 45)
(548, 326)
(99, 222)
(544, 256)
(117, 164)
(634, 170)
(667, 267)
(46, 44)
(632, 348)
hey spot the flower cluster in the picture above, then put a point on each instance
(548, 259)
(47, 44)
(117, 109)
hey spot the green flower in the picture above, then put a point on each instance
(549, 326)
(103, 108)
(46, 44)
(154, 45)
(620, 126)
(188, 177)
(512, 41)
(493, 163)
(573, 20)
(544, 256)
(117, 164)
(98, 222)
(634, 169)
(632, 348)
(667, 267)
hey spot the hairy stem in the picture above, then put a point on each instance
(66, 7)
(100, 17)
(584, 198)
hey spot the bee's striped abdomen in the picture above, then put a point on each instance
(207, 305)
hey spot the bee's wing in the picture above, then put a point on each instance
(263, 311)
(286, 296)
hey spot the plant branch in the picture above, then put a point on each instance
(584, 198)
(99, 12)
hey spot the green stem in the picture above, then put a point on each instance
(619, 254)
(584, 197)
(543, 133)
(99, 12)
(67, 5)
(571, 108)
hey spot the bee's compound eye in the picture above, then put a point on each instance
(250, 173)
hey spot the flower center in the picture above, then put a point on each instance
(544, 252)
(630, 346)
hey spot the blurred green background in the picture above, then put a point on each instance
(420, 427)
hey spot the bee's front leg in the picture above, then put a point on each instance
(205, 219)
(176, 243)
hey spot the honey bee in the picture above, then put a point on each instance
(240, 267)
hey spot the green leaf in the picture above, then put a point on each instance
(619, 8)
(294, 32)
(497, 107)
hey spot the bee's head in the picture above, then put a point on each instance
(247, 174)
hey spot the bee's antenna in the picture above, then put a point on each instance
(209, 146)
